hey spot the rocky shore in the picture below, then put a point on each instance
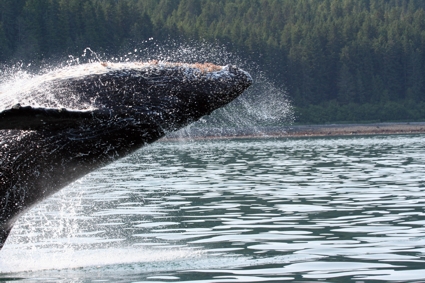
(355, 129)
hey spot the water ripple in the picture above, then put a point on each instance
(252, 210)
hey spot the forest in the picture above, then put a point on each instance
(338, 60)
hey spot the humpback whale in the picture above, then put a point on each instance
(77, 119)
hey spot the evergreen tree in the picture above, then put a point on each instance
(326, 53)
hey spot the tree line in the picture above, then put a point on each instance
(339, 60)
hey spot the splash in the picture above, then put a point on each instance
(64, 232)
(262, 109)
(57, 259)
(61, 234)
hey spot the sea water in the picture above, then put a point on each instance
(334, 209)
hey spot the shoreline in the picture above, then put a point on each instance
(356, 129)
(305, 131)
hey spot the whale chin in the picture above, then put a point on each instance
(83, 117)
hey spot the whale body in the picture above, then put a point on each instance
(80, 118)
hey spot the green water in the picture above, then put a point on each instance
(252, 210)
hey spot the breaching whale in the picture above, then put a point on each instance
(80, 118)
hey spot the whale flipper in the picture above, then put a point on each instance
(32, 118)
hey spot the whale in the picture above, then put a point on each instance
(68, 122)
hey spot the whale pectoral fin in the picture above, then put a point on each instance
(30, 118)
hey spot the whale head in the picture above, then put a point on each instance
(168, 95)
(173, 95)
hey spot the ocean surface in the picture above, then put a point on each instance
(337, 209)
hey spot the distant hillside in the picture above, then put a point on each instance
(340, 60)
